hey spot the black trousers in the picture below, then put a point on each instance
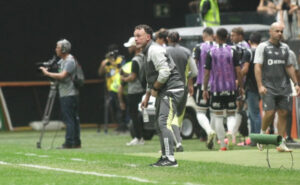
(133, 103)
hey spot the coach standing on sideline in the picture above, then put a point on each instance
(164, 83)
(272, 71)
(67, 92)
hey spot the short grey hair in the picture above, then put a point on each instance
(65, 45)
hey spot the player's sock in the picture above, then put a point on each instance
(212, 122)
(230, 124)
(204, 123)
(220, 130)
(238, 121)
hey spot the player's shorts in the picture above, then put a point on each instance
(275, 102)
(225, 100)
(200, 101)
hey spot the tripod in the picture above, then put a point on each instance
(107, 100)
(48, 110)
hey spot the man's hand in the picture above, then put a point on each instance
(297, 88)
(123, 79)
(104, 62)
(154, 93)
(44, 70)
(262, 90)
(191, 90)
(241, 92)
(144, 103)
(205, 95)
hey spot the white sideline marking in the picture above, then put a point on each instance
(30, 154)
(43, 156)
(33, 154)
(79, 172)
(77, 159)
(189, 183)
(131, 165)
(4, 163)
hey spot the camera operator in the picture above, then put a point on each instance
(67, 92)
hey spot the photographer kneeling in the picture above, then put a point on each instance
(67, 92)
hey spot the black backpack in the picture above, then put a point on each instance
(78, 78)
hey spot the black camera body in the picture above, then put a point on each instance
(50, 64)
(112, 54)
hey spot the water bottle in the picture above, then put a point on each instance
(145, 116)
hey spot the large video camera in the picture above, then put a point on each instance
(50, 64)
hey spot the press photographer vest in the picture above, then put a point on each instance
(111, 72)
(212, 17)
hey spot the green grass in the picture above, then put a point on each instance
(107, 154)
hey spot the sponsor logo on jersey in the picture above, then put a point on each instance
(225, 93)
(216, 105)
(273, 62)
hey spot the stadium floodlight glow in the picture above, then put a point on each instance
(267, 139)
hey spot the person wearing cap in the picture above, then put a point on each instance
(133, 75)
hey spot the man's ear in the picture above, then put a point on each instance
(148, 37)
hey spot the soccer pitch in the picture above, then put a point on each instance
(104, 159)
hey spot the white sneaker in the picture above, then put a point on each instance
(283, 148)
(135, 141)
(141, 141)
(260, 147)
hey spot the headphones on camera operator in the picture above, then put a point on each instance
(78, 78)
(65, 46)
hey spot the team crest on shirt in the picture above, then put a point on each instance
(283, 51)
(270, 52)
